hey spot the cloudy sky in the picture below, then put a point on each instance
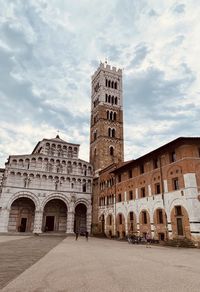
(50, 48)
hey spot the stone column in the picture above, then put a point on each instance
(89, 220)
(38, 221)
(70, 222)
(4, 218)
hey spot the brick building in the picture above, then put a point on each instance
(158, 193)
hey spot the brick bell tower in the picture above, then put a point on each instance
(106, 131)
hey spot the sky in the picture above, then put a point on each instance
(50, 48)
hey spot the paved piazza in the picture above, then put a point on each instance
(96, 265)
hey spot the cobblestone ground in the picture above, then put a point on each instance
(17, 253)
(101, 265)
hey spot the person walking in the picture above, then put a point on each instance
(148, 239)
(86, 235)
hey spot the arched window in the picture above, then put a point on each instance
(116, 85)
(113, 133)
(111, 151)
(106, 82)
(109, 132)
(111, 116)
(114, 116)
(109, 83)
(113, 99)
(106, 97)
(107, 115)
(112, 84)
(116, 100)
(109, 97)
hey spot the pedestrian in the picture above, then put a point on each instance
(76, 235)
(148, 239)
(86, 235)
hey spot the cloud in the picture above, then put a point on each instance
(50, 49)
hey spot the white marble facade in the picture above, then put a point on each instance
(48, 190)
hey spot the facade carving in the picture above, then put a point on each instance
(48, 190)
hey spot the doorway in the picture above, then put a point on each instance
(23, 224)
(49, 223)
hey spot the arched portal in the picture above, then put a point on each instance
(55, 216)
(80, 219)
(22, 214)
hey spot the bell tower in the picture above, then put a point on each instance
(106, 129)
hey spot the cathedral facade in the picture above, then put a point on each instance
(48, 190)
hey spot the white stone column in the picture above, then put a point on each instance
(126, 225)
(89, 220)
(70, 222)
(38, 221)
(4, 218)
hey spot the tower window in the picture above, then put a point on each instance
(112, 84)
(106, 97)
(113, 133)
(109, 132)
(111, 151)
(115, 100)
(106, 82)
(114, 116)
(109, 83)
(95, 135)
(115, 85)
(109, 97)
(111, 116)
(107, 115)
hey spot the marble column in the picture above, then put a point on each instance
(70, 222)
(4, 218)
(38, 221)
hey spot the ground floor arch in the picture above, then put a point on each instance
(132, 223)
(80, 218)
(21, 216)
(180, 222)
(144, 222)
(55, 216)
(160, 224)
(110, 225)
(120, 226)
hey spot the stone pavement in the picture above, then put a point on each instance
(106, 265)
(17, 253)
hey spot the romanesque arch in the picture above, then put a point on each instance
(22, 214)
(55, 216)
(80, 218)
(26, 194)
